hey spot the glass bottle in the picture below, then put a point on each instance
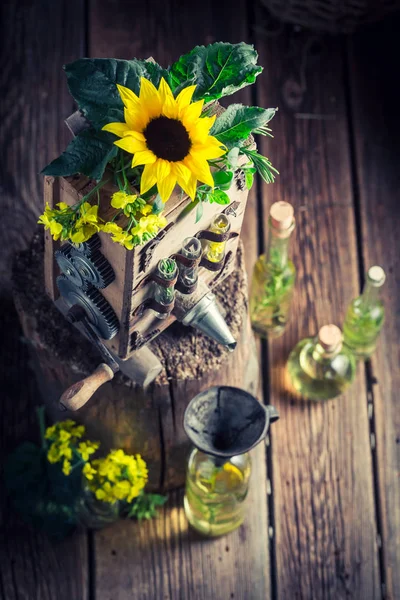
(167, 270)
(321, 368)
(94, 513)
(191, 249)
(274, 276)
(216, 491)
(215, 251)
(365, 316)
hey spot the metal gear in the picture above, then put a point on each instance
(89, 247)
(99, 312)
(94, 269)
(63, 258)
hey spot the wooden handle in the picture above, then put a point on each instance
(80, 392)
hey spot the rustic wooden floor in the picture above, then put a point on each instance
(324, 515)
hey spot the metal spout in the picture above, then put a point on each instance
(206, 317)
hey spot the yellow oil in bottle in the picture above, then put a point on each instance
(215, 494)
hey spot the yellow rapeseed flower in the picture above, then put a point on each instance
(119, 235)
(87, 225)
(47, 219)
(168, 136)
(66, 469)
(122, 199)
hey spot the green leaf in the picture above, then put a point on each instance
(217, 70)
(223, 179)
(232, 157)
(233, 127)
(92, 83)
(88, 153)
(219, 197)
(199, 212)
(249, 178)
(145, 505)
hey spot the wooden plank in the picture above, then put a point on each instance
(163, 558)
(31, 566)
(325, 530)
(376, 126)
(36, 39)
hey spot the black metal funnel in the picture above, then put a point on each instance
(224, 421)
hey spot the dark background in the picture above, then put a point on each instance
(333, 496)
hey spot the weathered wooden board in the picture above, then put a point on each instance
(36, 39)
(376, 128)
(325, 531)
(163, 559)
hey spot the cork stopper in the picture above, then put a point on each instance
(330, 337)
(376, 276)
(281, 214)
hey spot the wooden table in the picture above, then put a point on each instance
(324, 511)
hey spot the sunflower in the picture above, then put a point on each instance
(168, 136)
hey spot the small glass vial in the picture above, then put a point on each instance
(166, 270)
(215, 251)
(216, 492)
(274, 276)
(321, 368)
(191, 249)
(365, 316)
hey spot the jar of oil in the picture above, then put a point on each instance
(216, 491)
(321, 368)
(274, 276)
(365, 316)
(215, 251)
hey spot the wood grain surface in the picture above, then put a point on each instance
(330, 528)
(36, 39)
(376, 129)
(323, 492)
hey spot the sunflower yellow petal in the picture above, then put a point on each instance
(199, 132)
(184, 97)
(149, 98)
(128, 97)
(182, 172)
(170, 109)
(145, 157)
(191, 114)
(207, 151)
(186, 180)
(148, 178)
(166, 186)
(162, 169)
(118, 129)
(130, 144)
(136, 118)
(200, 168)
(165, 91)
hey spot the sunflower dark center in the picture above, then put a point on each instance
(167, 138)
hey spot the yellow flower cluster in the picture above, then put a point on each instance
(65, 444)
(118, 476)
(77, 224)
(80, 222)
(146, 225)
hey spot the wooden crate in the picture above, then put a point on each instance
(133, 269)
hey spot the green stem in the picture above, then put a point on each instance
(117, 214)
(42, 427)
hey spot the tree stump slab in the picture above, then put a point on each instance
(122, 414)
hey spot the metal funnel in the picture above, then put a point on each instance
(206, 316)
(225, 421)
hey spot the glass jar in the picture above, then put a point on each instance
(94, 513)
(166, 270)
(216, 492)
(192, 250)
(215, 251)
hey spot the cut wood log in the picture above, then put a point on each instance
(122, 413)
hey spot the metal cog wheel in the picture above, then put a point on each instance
(99, 312)
(89, 247)
(63, 258)
(94, 269)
